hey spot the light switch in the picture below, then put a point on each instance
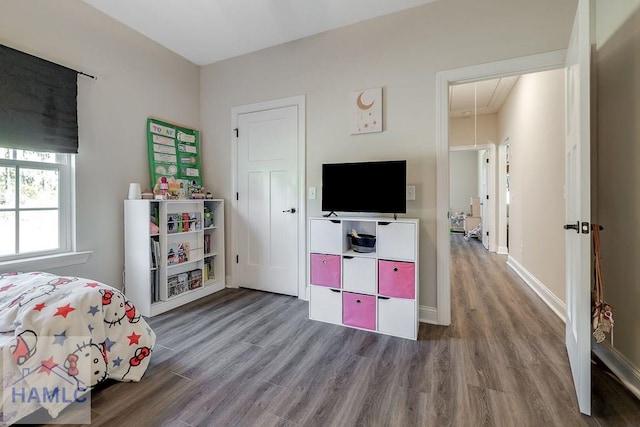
(312, 193)
(411, 192)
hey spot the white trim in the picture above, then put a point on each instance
(46, 262)
(501, 202)
(526, 64)
(428, 314)
(503, 250)
(549, 298)
(298, 101)
(628, 374)
(470, 147)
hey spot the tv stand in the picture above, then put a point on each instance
(376, 291)
(329, 214)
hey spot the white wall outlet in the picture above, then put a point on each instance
(411, 192)
(312, 193)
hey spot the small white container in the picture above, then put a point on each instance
(134, 191)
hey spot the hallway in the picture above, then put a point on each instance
(513, 350)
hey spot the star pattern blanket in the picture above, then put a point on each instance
(62, 331)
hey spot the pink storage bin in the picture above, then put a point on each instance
(359, 310)
(396, 279)
(325, 270)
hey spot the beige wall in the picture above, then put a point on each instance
(464, 131)
(136, 79)
(533, 120)
(618, 165)
(463, 179)
(400, 52)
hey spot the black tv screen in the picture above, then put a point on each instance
(365, 187)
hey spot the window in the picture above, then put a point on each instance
(36, 203)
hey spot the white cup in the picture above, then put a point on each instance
(134, 191)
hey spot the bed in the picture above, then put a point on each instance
(62, 336)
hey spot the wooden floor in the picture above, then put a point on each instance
(246, 358)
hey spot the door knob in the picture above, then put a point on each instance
(575, 226)
(292, 210)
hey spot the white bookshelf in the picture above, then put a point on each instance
(190, 258)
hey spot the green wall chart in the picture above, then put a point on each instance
(174, 153)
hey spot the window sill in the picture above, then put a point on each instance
(47, 262)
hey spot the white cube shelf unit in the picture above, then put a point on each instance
(376, 291)
(178, 261)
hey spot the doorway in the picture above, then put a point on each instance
(542, 62)
(268, 226)
(471, 190)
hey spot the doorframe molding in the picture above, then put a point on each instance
(509, 67)
(501, 223)
(299, 102)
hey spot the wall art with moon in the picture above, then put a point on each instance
(366, 111)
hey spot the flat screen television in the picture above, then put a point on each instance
(365, 187)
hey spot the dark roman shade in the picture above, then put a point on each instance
(38, 104)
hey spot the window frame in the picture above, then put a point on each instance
(65, 165)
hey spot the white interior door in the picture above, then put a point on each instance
(578, 206)
(484, 203)
(267, 180)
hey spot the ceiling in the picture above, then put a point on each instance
(206, 31)
(484, 97)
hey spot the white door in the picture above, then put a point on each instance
(578, 206)
(484, 203)
(267, 233)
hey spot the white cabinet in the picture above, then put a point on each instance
(375, 290)
(395, 316)
(173, 253)
(325, 304)
(397, 240)
(359, 274)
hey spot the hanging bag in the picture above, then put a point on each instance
(601, 312)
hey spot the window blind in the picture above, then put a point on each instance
(38, 103)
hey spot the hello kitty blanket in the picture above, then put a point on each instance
(62, 336)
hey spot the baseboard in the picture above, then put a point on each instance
(229, 282)
(555, 303)
(428, 314)
(628, 374)
(503, 250)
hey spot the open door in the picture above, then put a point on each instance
(578, 205)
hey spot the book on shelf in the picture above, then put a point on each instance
(207, 271)
(183, 222)
(155, 286)
(183, 282)
(174, 223)
(195, 279)
(177, 253)
(186, 222)
(172, 285)
(207, 244)
(155, 252)
(196, 221)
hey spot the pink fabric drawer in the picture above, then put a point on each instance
(359, 310)
(325, 270)
(396, 279)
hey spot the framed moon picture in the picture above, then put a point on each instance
(366, 111)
